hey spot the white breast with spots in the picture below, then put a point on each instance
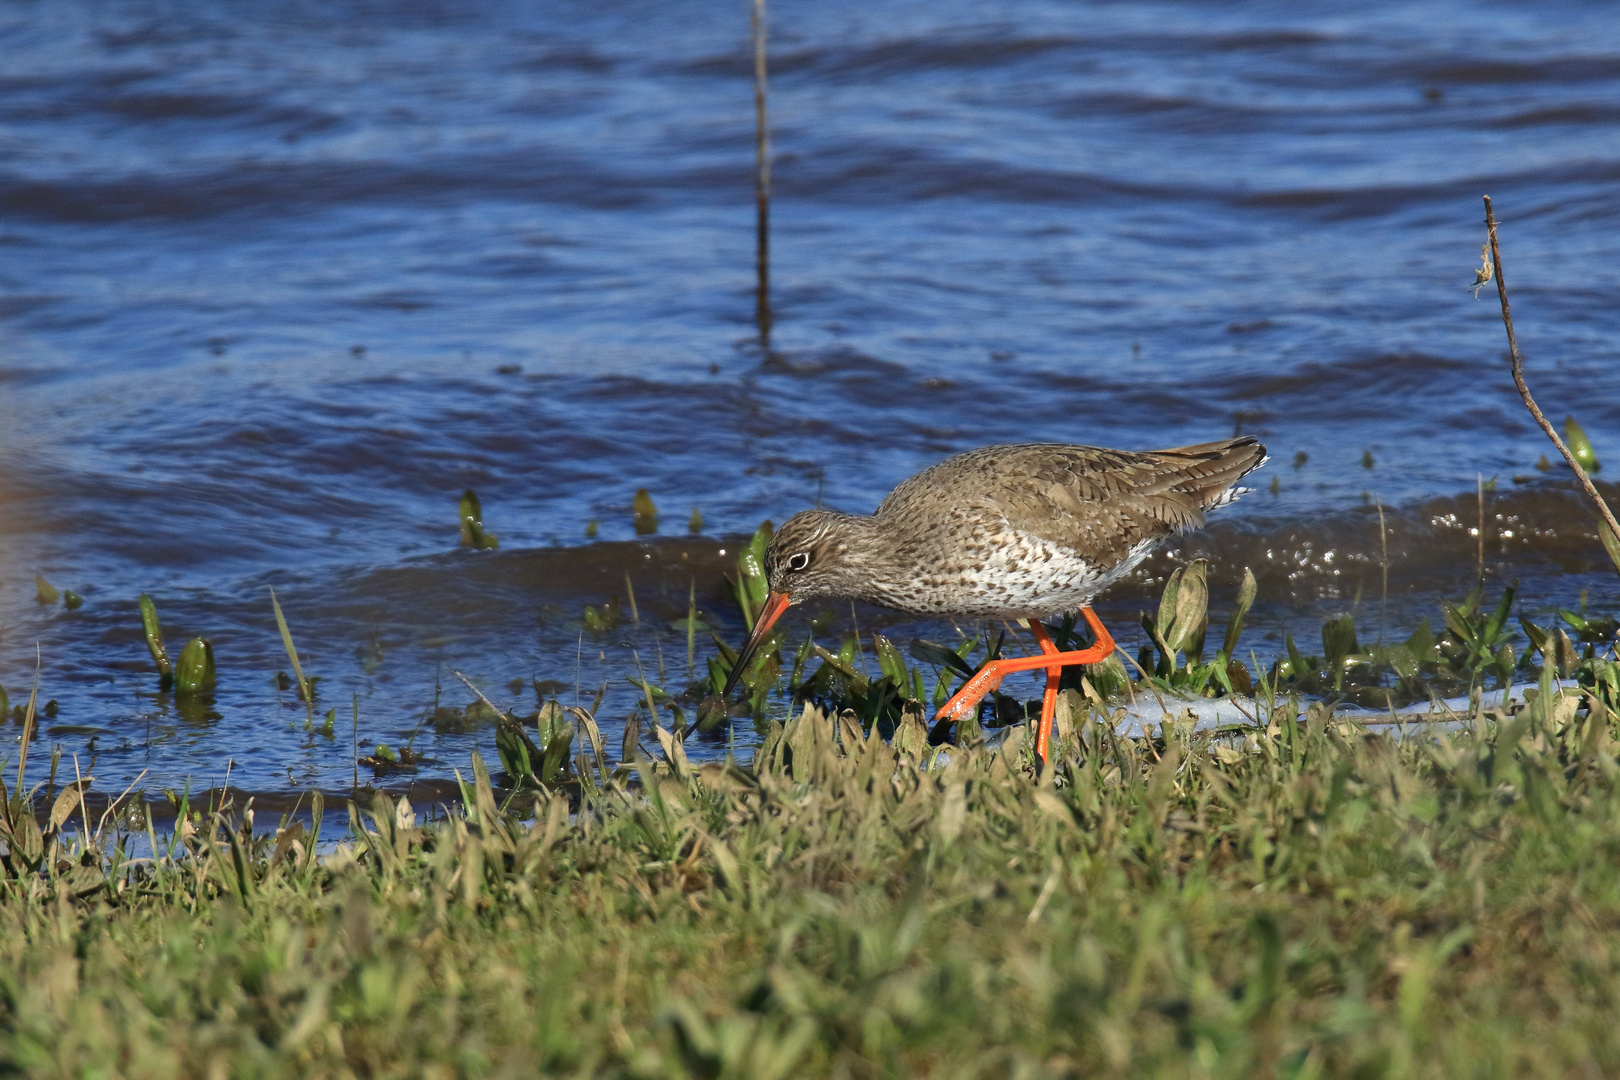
(1027, 577)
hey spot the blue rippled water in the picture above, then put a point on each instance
(279, 280)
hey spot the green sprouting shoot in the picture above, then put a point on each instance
(154, 641)
(472, 524)
(646, 513)
(195, 671)
(1580, 446)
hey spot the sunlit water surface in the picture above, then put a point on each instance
(279, 280)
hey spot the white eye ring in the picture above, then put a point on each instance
(798, 560)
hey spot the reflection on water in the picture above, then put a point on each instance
(278, 282)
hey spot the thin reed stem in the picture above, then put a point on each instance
(1383, 563)
(762, 180)
(28, 720)
(691, 628)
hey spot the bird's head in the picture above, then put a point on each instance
(806, 560)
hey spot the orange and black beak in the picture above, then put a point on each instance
(775, 604)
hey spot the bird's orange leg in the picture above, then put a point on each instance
(963, 703)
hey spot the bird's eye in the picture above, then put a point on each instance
(798, 560)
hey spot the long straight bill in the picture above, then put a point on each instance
(775, 604)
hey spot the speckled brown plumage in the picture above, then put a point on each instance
(1009, 532)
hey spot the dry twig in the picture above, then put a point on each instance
(1530, 402)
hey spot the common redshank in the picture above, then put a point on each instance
(1004, 532)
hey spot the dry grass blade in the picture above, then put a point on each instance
(304, 689)
(28, 723)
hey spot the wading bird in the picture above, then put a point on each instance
(1004, 532)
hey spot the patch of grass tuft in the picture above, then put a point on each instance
(1306, 897)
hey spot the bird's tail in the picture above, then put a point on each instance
(1209, 472)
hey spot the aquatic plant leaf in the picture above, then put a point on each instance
(751, 587)
(44, 590)
(1403, 660)
(554, 760)
(195, 672)
(1238, 680)
(645, 513)
(1459, 624)
(719, 670)
(1506, 661)
(695, 523)
(1565, 657)
(1538, 637)
(72, 600)
(1339, 641)
(154, 641)
(1297, 667)
(5, 704)
(761, 676)
(1491, 633)
(839, 662)
(1234, 625)
(1580, 446)
(938, 655)
(516, 752)
(1184, 608)
(601, 620)
(1160, 626)
(1422, 642)
(1611, 543)
(890, 662)
(1476, 595)
(796, 678)
(657, 693)
(727, 653)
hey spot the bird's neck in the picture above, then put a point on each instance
(866, 555)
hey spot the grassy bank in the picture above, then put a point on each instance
(1312, 899)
